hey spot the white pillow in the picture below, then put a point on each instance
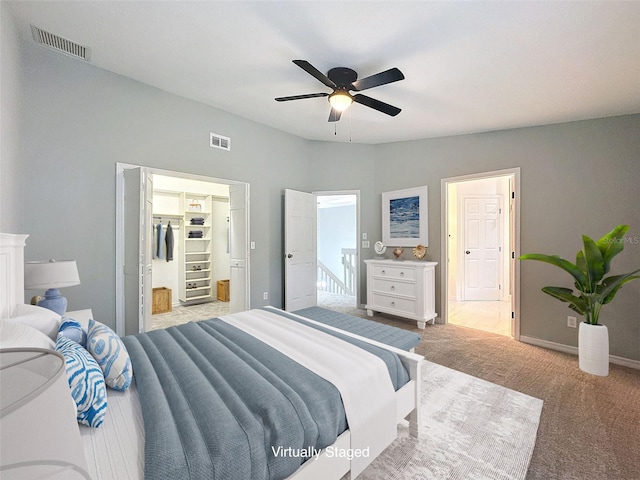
(43, 319)
(18, 335)
(111, 354)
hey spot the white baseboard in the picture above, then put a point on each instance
(625, 362)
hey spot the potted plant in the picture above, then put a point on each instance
(594, 290)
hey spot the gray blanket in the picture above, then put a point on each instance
(217, 403)
(394, 336)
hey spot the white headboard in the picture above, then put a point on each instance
(11, 272)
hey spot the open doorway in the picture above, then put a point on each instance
(481, 239)
(190, 282)
(337, 249)
(203, 254)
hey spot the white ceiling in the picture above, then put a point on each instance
(469, 66)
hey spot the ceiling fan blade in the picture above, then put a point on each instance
(334, 115)
(377, 105)
(314, 72)
(300, 97)
(382, 78)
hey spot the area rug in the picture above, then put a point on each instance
(471, 429)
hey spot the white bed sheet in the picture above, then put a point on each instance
(115, 450)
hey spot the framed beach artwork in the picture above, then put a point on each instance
(405, 217)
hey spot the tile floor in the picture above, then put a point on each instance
(192, 313)
(494, 317)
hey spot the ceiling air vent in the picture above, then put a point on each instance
(60, 44)
(220, 141)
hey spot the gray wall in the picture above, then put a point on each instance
(71, 122)
(579, 177)
(10, 76)
(79, 121)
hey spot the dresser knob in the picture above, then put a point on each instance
(402, 274)
(393, 287)
(393, 304)
(384, 272)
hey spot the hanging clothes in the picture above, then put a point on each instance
(154, 235)
(169, 242)
(160, 241)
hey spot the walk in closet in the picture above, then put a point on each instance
(196, 215)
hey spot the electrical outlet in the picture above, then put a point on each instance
(572, 322)
(253, 245)
(265, 296)
(365, 244)
(364, 236)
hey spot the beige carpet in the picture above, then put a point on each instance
(590, 426)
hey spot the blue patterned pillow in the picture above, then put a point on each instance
(72, 329)
(111, 354)
(86, 382)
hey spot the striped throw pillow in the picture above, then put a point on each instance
(86, 382)
(111, 354)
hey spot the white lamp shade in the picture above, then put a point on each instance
(39, 435)
(340, 101)
(50, 274)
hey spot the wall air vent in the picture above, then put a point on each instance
(220, 141)
(60, 44)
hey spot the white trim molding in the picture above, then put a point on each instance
(538, 342)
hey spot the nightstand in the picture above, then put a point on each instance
(82, 316)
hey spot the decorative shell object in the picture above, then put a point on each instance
(379, 248)
(420, 251)
(398, 251)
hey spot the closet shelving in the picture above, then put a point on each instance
(196, 284)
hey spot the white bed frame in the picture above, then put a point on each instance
(11, 272)
(407, 407)
(323, 467)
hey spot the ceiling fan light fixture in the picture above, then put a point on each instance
(340, 100)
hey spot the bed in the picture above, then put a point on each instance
(278, 347)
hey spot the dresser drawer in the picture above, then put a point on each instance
(400, 305)
(393, 271)
(394, 287)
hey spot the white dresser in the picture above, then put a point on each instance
(402, 287)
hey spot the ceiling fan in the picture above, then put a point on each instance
(342, 80)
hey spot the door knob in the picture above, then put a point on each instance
(290, 255)
(467, 252)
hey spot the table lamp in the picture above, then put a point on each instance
(52, 275)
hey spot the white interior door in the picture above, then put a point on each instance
(482, 244)
(138, 241)
(300, 225)
(238, 247)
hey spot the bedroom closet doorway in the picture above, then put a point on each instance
(480, 244)
(183, 248)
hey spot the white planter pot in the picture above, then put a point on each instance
(593, 349)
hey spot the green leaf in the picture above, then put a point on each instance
(612, 244)
(594, 262)
(566, 295)
(565, 265)
(576, 309)
(610, 285)
(581, 263)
